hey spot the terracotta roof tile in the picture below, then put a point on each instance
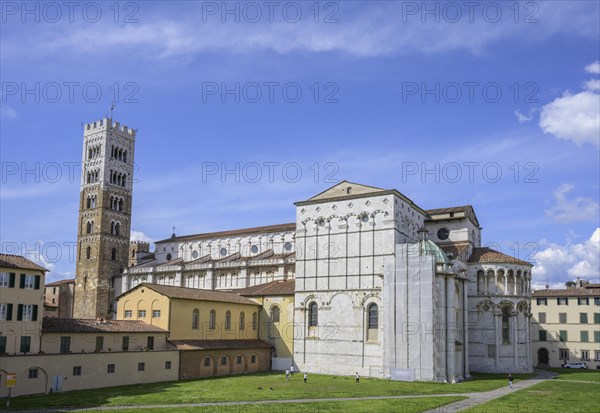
(61, 282)
(571, 292)
(78, 325)
(218, 344)
(286, 287)
(194, 294)
(485, 254)
(17, 261)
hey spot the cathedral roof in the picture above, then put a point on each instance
(193, 294)
(451, 213)
(457, 249)
(428, 247)
(488, 255)
(244, 231)
(18, 261)
(281, 287)
(218, 344)
(79, 325)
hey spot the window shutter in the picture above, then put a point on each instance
(20, 312)
(9, 312)
(34, 313)
(11, 280)
(22, 281)
(37, 282)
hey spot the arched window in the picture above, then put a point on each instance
(132, 253)
(506, 325)
(228, 320)
(124, 156)
(89, 202)
(88, 228)
(212, 320)
(254, 321)
(313, 314)
(112, 228)
(88, 253)
(373, 316)
(275, 314)
(113, 254)
(117, 228)
(196, 319)
(242, 321)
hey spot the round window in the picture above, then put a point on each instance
(443, 233)
(321, 222)
(364, 218)
(254, 249)
(287, 246)
(169, 257)
(223, 251)
(194, 254)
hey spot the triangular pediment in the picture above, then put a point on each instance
(346, 188)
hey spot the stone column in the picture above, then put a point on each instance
(124, 283)
(515, 317)
(516, 278)
(528, 339)
(244, 277)
(178, 279)
(498, 322)
(485, 284)
(451, 322)
(465, 331)
(505, 282)
(210, 277)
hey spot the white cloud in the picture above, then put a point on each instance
(571, 210)
(573, 117)
(140, 236)
(523, 118)
(592, 84)
(593, 68)
(557, 264)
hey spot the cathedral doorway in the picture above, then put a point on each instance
(543, 356)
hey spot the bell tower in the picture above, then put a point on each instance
(104, 215)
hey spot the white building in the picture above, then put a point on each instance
(375, 293)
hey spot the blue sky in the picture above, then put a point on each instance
(389, 91)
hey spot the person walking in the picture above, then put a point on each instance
(510, 380)
(305, 377)
(287, 374)
(357, 377)
(292, 370)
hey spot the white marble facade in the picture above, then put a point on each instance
(383, 287)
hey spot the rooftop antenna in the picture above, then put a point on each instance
(112, 108)
(173, 236)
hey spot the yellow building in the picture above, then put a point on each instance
(276, 318)
(21, 304)
(565, 325)
(217, 332)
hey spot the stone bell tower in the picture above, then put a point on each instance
(104, 215)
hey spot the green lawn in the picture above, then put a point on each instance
(574, 374)
(252, 387)
(549, 396)
(371, 406)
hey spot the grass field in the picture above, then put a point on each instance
(252, 387)
(573, 374)
(549, 396)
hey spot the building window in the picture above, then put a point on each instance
(141, 366)
(76, 370)
(25, 344)
(506, 325)
(583, 301)
(585, 355)
(110, 368)
(597, 355)
(228, 320)
(125, 343)
(253, 359)
(254, 321)
(562, 301)
(238, 359)
(583, 318)
(596, 318)
(141, 313)
(224, 361)
(242, 321)
(212, 320)
(596, 300)
(2, 345)
(541, 301)
(65, 344)
(275, 314)
(584, 336)
(563, 354)
(128, 313)
(168, 365)
(88, 253)
(155, 313)
(543, 335)
(562, 318)
(195, 319)
(113, 254)
(206, 361)
(313, 314)
(562, 335)
(373, 316)
(541, 318)
(27, 312)
(7, 280)
(596, 336)
(99, 343)
(33, 373)
(6, 312)
(29, 281)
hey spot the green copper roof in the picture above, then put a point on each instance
(430, 248)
